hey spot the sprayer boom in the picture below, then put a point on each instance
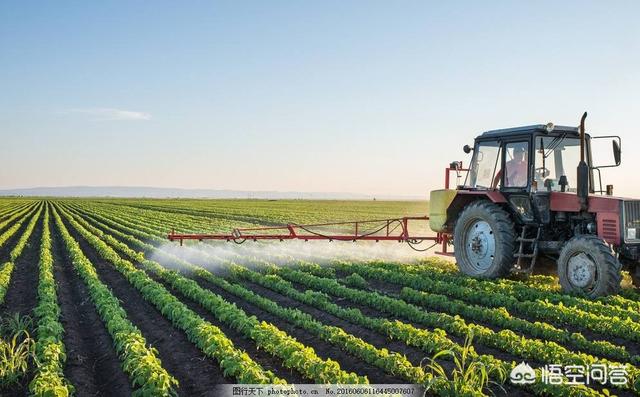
(396, 229)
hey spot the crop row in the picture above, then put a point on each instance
(49, 378)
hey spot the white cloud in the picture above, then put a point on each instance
(112, 114)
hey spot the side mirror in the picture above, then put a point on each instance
(467, 149)
(617, 153)
(598, 148)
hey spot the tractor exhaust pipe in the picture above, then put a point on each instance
(583, 169)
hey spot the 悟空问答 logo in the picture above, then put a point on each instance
(522, 374)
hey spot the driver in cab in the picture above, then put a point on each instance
(516, 168)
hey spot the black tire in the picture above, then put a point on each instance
(587, 266)
(468, 242)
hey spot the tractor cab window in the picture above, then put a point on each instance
(556, 162)
(485, 165)
(516, 173)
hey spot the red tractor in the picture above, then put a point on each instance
(529, 192)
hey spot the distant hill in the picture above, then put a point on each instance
(160, 192)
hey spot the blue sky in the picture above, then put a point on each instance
(356, 96)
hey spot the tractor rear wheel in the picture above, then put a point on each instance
(587, 266)
(484, 240)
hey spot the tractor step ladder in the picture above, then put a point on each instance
(532, 255)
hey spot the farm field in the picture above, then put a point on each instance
(95, 300)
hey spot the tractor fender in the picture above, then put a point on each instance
(464, 198)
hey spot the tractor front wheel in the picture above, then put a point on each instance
(484, 240)
(587, 266)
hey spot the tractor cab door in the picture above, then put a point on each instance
(505, 164)
(517, 180)
(485, 164)
(516, 167)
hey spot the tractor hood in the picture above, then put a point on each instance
(570, 202)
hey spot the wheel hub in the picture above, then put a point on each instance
(480, 245)
(581, 270)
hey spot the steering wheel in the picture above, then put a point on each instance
(542, 172)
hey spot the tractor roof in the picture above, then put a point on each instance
(529, 129)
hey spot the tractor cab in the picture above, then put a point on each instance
(537, 158)
(525, 164)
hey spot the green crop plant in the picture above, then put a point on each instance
(16, 351)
